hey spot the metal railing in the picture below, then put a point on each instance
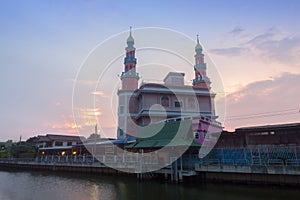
(256, 155)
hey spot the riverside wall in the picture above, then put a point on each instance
(258, 175)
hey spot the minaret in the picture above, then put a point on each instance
(201, 79)
(126, 95)
(129, 76)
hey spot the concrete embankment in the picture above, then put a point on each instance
(255, 174)
(258, 175)
(63, 167)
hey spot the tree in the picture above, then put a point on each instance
(94, 136)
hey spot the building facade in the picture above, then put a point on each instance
(57, 144)
(152, 102)
(268, 135)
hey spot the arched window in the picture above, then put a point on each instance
(191, 103)
(165, 101)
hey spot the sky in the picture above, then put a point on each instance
(255, 46)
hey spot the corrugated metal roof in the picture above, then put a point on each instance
(65, 137)
(177, 133)
(275, 126)
(60, 138)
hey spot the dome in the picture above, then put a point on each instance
(130, 38)
(198, 47)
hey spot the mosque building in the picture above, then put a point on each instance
(138, 105)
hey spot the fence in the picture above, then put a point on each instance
(255, 155)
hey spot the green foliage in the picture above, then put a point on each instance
(18, 150)
(94, 136)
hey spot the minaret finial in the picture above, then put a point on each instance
(130, 40)
(130, 29)
(198, 47)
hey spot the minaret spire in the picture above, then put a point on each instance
(201, 79)
(129, 76)
(130, 40)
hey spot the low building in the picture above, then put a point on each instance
(279, 134)
(51, 144)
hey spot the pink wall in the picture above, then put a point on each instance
(130, 83)
(154, 98)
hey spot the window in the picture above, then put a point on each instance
(177, 104)
(121, 110)
(58, 143)
(69, 144)
(165, 101)
(48, 144)
(191, 103)
(197, 135)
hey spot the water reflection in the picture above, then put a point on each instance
(48, 186)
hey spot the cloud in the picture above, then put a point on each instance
(265, 102)
(236, 30)
(271, 45)
(64, 124)
(87, 113)
(282, 49)
(100, 94)
(232, 51)
(68, 127)
(261, 37)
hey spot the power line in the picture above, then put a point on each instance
(262, 116)
(264, 113)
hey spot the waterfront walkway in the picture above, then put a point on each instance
(264, 160)
(218, 159)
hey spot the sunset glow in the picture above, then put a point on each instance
(43, 45)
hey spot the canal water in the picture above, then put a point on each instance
(59, 186)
